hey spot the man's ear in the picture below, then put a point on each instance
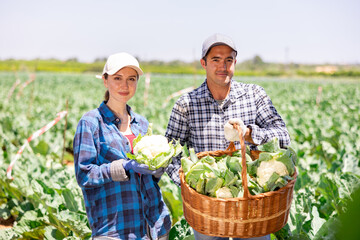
(203, 63)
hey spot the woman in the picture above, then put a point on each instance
(122, 197)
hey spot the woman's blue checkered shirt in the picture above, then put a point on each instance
(118, 209)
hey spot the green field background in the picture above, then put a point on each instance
(322, 115)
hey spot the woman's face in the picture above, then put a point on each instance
(122, 85)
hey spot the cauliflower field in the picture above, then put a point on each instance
(44, 202)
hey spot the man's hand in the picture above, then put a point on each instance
(231, 134)
(139, 167)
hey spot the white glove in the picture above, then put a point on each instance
(231, 134)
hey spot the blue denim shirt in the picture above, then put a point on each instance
(119, 209)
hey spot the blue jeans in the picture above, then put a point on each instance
(199, 236)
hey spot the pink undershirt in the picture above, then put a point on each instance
(131, 138)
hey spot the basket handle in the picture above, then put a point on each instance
(229, 151)
(243, 162)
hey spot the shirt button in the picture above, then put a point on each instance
(117, 120)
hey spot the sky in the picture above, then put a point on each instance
(284, 31)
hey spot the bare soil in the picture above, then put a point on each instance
(8, 223)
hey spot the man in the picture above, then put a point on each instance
(198, 118)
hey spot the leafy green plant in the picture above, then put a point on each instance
(45, 201)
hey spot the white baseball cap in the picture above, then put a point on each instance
(215, 40)
(117, 61)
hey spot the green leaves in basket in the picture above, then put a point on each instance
(193, 175)
(208, 159)
(193, 156)
(271, 171)
(275, 181)
(230, 178)
(254, 187)
(234, 164)
(186, 164)
(213, 183)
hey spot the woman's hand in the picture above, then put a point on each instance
(140, 167)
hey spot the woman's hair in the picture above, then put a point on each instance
(107, 95)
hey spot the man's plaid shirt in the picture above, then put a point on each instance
(198, 120)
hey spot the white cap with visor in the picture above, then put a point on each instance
(215, 40)
(117, 61)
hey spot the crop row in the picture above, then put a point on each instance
(44, 200)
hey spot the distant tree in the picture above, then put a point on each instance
(176, 63)
(74, 59)
(257, 61)
(100, 59)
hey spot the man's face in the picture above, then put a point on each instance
(219, 65)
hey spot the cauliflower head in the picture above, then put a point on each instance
(152, 145)
(267, 168)
(224, 192)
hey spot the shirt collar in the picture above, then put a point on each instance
(204, 92)
(109, 116)
(236, 91)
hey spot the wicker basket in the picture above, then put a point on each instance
(249, 216)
